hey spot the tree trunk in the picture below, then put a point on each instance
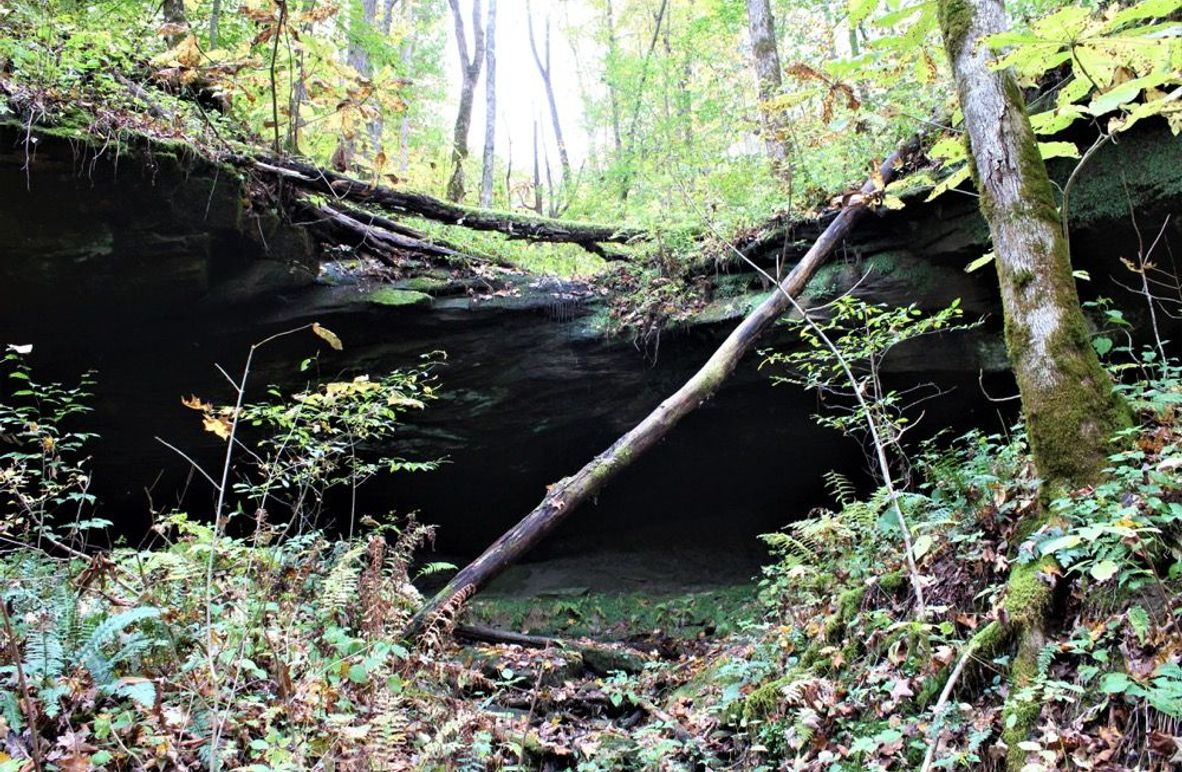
(633, 126)
(537, 174)
(215, 15)
(767, 70)
(341, 188)
(490, 106)
(567, 494)
(1070, 407)
(543, 64)
(174, 14)
(469, 73)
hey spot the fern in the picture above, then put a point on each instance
(138, 690)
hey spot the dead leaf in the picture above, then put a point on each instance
(219, 426)
(328, 336)
(194, 403)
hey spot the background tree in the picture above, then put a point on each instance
(543, 63)
(358, 56)
(469, 72)
(766, 58)
(490, 107)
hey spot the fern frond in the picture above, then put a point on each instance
(841, 488)
(440, 625)
(388, 730)
(91, 655)
(340, 584)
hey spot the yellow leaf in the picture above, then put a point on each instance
(218, 426)
(328, 336)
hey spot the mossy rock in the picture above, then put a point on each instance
(388, 296)
(605, 660)
(428, 284)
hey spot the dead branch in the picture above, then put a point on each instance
(566, 495)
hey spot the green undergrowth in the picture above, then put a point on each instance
(263, 642)
(614, 616)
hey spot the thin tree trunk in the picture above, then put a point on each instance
(612, 95)
(1070, 407)
(490, 106)
(567, 494)
(215, 16)
(470, 73)
(767, 70)
(543, 63)
(405, 55)
(537, 174)
(635, 122)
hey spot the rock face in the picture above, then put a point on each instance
(147, 266)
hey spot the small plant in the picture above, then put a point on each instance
(44, 485)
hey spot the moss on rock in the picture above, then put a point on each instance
(388, 296)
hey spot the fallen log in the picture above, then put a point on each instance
(566, 495)
(601, 658)
(385, 243)
(515, 226)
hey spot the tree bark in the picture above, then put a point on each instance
(469, 73)
(543, 63)
(215, 16)
(766, 58)
(1070, 407)
(567, 494)
(490, 106)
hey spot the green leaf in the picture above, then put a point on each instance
(1058, 150)
(1139, 620)
(1067, 542)
(922, 546)
(1149, 9)
(1102, 345)
(980, 262)
(950, 182)
(358, 674)
(860, 10)
(1116, 683)
(1104, 570)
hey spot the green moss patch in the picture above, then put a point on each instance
(387, 296)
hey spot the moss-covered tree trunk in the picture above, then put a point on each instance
(1071, 410)
(1069, 404)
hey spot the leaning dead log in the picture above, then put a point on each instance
(328, 183)
(567, 494)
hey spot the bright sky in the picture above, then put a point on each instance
(521, 97)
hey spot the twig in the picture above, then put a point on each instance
(945, 693)
(26, 696)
